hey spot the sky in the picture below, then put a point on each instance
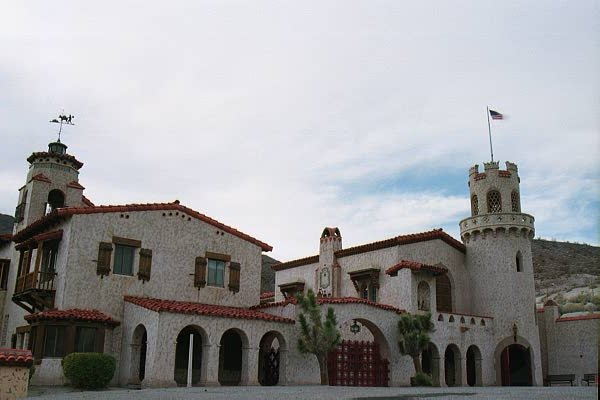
(281, 118)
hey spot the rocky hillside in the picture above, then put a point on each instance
(6, 223)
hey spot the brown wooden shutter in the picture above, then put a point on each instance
(145, 264)
(104, 253)
(234, 277)
(200, 272)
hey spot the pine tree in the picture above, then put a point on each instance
(317, 337)
(414, 336)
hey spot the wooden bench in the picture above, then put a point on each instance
(589, 378)
(564, 378)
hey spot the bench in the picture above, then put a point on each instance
(589, 378)
(560, 379)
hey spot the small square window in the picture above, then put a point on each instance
(123, 263)
(85, 340)
(216, 272)
(54, 341)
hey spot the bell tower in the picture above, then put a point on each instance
(328, 273)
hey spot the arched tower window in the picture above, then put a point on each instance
(514, 201)
(519, 262)
(443, 293)
(56, 199)
(474, 206)
(423, 296)
(494, 202)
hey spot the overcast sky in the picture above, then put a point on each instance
(281, 118)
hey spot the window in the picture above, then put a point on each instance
(216, 271)
(48, 262)
(519, 262)
(423, 296)
(145, 266)
(54, 341)
(443, 293)
(514, 201)
(366, 283)
(123, 264)
(103, 261)
(85, 340)
(234, 277)
(200, 272)
(4, 264)
(494, 202)
(474, 206)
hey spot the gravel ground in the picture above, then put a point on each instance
(321, 393)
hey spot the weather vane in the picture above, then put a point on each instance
(63, 119)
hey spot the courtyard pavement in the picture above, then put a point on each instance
(321, 393)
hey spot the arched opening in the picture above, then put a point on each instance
(452, 371)
(271, 357)
(182, 352)
(139, 345)
(56, 199)
(473, 366)
(494, 202)
(474, 206)
(515, 361)
(230, 358)
(443, 293)
(519, 262)
(430, 362)
(514, 201)
(423, 296)
(362, 357)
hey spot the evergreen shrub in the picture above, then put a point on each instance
(89, 370)
(422, 379)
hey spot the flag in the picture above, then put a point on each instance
(496, 115)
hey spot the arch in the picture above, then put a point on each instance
(462, 320)
(440, 317)
(423, 296)
(443, 293)
(271, 359)
(473, 366)
(56, 199)
(331, 232)
(233, 359)
(515, 362)
(514, 201)
(452, 366)
(139, 346)
(519, 261)
(474, 206)
(430, 362)
(472, 321)
(494, 202)
(451, 319)
(182, 349)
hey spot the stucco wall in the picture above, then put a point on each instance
(13, 382)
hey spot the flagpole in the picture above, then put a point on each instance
(490, 132)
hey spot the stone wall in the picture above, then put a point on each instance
(13, 382)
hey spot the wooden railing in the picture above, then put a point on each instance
(35, 280)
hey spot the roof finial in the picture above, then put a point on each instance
(63, 119)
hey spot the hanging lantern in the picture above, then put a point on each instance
(355, 327)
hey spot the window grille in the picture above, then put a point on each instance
(474, 205)
(494, 201)
(514, 200)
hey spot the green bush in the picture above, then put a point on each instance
(422, 379)
(571, 307)
(89, 370)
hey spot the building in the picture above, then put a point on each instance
(152, 283)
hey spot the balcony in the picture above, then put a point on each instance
(35, 291)
(511, 222)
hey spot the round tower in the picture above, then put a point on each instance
(52, 182)
(498, 238)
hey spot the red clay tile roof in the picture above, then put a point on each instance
(87, 201)
(395, 241)
(73, 314)
(539, 310)
(41, 177)
(65, 157)
(15, 357)
(186, 307)
(578, 318)
(334, 300)
(61, 214)
(266, 295)
(480, 176)
(75, 185)
(504, 174)
(415, 266)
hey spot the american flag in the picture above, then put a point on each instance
(496, 115)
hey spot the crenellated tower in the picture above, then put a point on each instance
(328, 273)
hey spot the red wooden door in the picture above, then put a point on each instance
(355, 363)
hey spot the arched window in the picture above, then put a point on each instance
(519, 262)
(474, 206)
(514, 201)
(56, 199)
(423, 296)
(443, 293)
(494, 202)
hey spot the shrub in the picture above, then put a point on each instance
(571, 307)
(422, 379)
(89, 370)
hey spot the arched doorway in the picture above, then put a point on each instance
(362, 357)
(443, 293)
(452, 371)
(430, 362)
(230, 358)
(473, 366)
(515, 362)
(56, 199)
(139, 345)
(270, 359)
(182, 350)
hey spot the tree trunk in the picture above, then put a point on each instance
(323, 368)
(417, 364)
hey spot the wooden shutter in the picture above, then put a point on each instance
(200, 272)
(145, 264)
(234, 277)
(104, 253)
